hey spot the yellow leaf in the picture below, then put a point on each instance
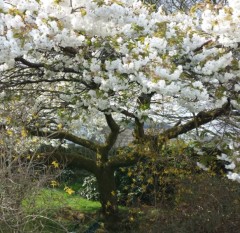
(24, 133)
(144, 187)
(55, 164)
(113, 193)
(69, 190)
(54, 183)
(122, 169)
(57, 1)
(83, 11)
(60, 126)
(34, 139)
(150, 180)
(129, 173)
(9, 132)
(131, 219)
(9, 119)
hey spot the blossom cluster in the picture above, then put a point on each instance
(100, 56)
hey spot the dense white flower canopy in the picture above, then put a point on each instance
(71, 62)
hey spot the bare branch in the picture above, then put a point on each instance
(124, 161)
(42, 65)
(127, 113)
(65, 135)
(201, 47)
(75, 159)
(202, 118)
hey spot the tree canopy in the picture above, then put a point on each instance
(69, 69)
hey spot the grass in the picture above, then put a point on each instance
(58, 211)
(61, 212)
(73, 201)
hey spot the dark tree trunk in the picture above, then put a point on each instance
(107, 190)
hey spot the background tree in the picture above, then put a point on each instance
(182, 5)
(76, 68)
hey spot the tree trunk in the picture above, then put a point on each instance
(107, 190)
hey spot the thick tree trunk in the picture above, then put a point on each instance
(107, 190)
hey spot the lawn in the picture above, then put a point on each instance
(57, 198)
(57, 211)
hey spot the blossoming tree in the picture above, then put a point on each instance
(68, 69)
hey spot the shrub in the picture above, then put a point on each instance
(89, 188)
(154, 179)
(204, 203)
(23, 172)
(158, 178)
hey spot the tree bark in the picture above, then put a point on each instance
(107, 189)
